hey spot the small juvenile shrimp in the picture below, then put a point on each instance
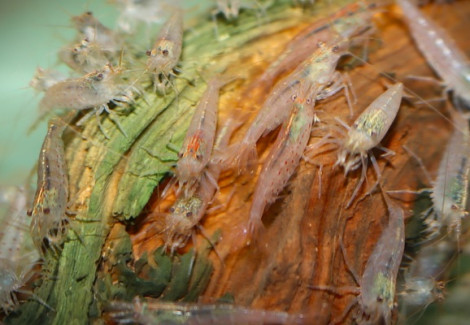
(17, 252)
(165, 54)
(186, 212)
(43, 79)
(317, 72)
(229, 8)
(376, 288)
(49, 219)
(94, 90)
(93, 30)
(196, 151)
(156, 312)
(83, 57)
(348, 23)
(283, 158)
(366, 133)
(440, 51)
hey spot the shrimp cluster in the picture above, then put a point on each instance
(309, 72)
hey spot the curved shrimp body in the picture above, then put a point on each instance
(166, 52)
(283, 159)
(449, 193)
(441, 53)
(317, 72)
(370, 127)
(378, 282)
(197, 146)
(93, 30)
(50, 202)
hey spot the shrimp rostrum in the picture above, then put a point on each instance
(365, 134)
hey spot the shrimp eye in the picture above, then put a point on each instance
(294, 97)
(380, 299)
(189, 214)
(29, 213)
(165, 52)
(172, 209)
(198, 156)
(89, 13)
(335, 49)
(148, 52)
(99, 77)
(454, 207)
(309, 101)
(47, 210)
(180, 155)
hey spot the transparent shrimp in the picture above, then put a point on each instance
(92, 29)
(84, 57)
(92, 91)
(441, 53)
(450, 190)
(196, 151)
(43, 79)
(153, 312)
(318, 72)
(229, 8)
(376, 288)
(365, 134)
(166, 52)
(283, 158)
(186, 212)
(17, 252)
(349, 22)
(49, 219)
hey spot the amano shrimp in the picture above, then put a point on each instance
(156, 312)
(164, 56)
(49, 220)
(92, 91)
(84, 57)
(366, 133)
(317, 72)
(441, 53)
(283, 158)
(17, 252)
(187, 212)
(377, 285)
(196, 151)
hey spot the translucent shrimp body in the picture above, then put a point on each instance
(166, 52)
(48, 214)
(43, 79)
(156, 312)
(441, 53)
(283, 159)
(317, 72)
(17, 252)
(348, 23)
(83, 57)
(376, 288)
(230, 8)
(367, 132)
(187, 212)
(449, 194)
(196, 151)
